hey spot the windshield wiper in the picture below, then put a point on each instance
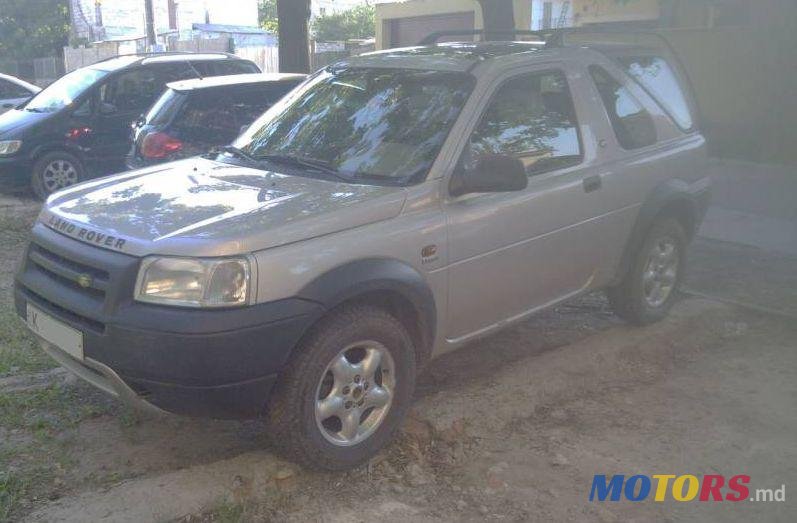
(308, 163)
(240, 153)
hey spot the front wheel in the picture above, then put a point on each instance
(345, 390)
(55, 171)
(648, 291)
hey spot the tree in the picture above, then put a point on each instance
(357, 22)
(499, 17)
(33, 28)
(267, 15)
(294, 43)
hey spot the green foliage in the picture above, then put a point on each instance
(33, 28)
(267, 15)
(358, 22)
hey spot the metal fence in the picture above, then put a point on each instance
(38, 71)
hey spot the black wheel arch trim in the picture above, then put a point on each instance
(673, 193)
(373, 275)
(54, 147)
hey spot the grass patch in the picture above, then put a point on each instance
(35, 460)
(12, 489)
(16, 228)
(228, 512)
(19, 351)
(45, 410)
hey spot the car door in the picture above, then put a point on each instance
(120, 101)
(512, 253)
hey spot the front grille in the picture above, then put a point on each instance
(78, 276)
(81, 321)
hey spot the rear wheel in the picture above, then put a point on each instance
(648, 291)
(345, 390)
(55, 171)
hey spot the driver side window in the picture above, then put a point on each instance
(130, 92)
(531, 117)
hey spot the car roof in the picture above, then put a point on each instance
(465, 56)
(22, 83)
(449, 56)
(119, 62)
(236, 79)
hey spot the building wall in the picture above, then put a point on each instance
(613, 11)
(125, 18)
(415, 8)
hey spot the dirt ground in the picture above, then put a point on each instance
(510, 428)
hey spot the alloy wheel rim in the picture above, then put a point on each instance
(355, 393)
(59, 174)
(661, 272)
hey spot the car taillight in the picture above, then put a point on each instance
(160, 145)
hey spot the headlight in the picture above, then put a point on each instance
(194, 282)
(9, 147)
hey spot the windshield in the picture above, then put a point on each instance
(65, 90)
(363, 123)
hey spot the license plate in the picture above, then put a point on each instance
(56, 332)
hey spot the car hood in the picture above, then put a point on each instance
(200, 207)
(13, 120)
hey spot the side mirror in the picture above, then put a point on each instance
(107, 109)
(493, 173)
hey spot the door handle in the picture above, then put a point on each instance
(592, 183)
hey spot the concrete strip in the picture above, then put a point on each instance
(756, 230)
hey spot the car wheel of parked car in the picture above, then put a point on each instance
(55, 171)
(345, 391)
(648, 290)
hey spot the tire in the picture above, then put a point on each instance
(55, 171)
(635, 298)
(314, 404)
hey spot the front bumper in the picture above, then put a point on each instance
(214, 363)
(15, 171)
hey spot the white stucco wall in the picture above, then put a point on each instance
(126, 17)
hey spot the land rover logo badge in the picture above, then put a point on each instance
(84, 280)
(429, 254)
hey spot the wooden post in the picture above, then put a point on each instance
(149, 21)
(294, 42)
(499, 18)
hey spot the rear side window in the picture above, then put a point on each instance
(225, 67)
(131, 91)
(167, 106)
(208, 117)
(532, 118)
(632, 124)
(660, 81)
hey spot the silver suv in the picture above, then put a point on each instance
(393, 207)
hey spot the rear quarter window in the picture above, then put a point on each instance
(633, 126)
(659, 79)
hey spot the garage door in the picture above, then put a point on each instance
(409, 31)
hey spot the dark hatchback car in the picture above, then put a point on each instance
(79, 126)
(195, 117)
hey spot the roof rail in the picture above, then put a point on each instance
(165, 53)
(435, 37)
